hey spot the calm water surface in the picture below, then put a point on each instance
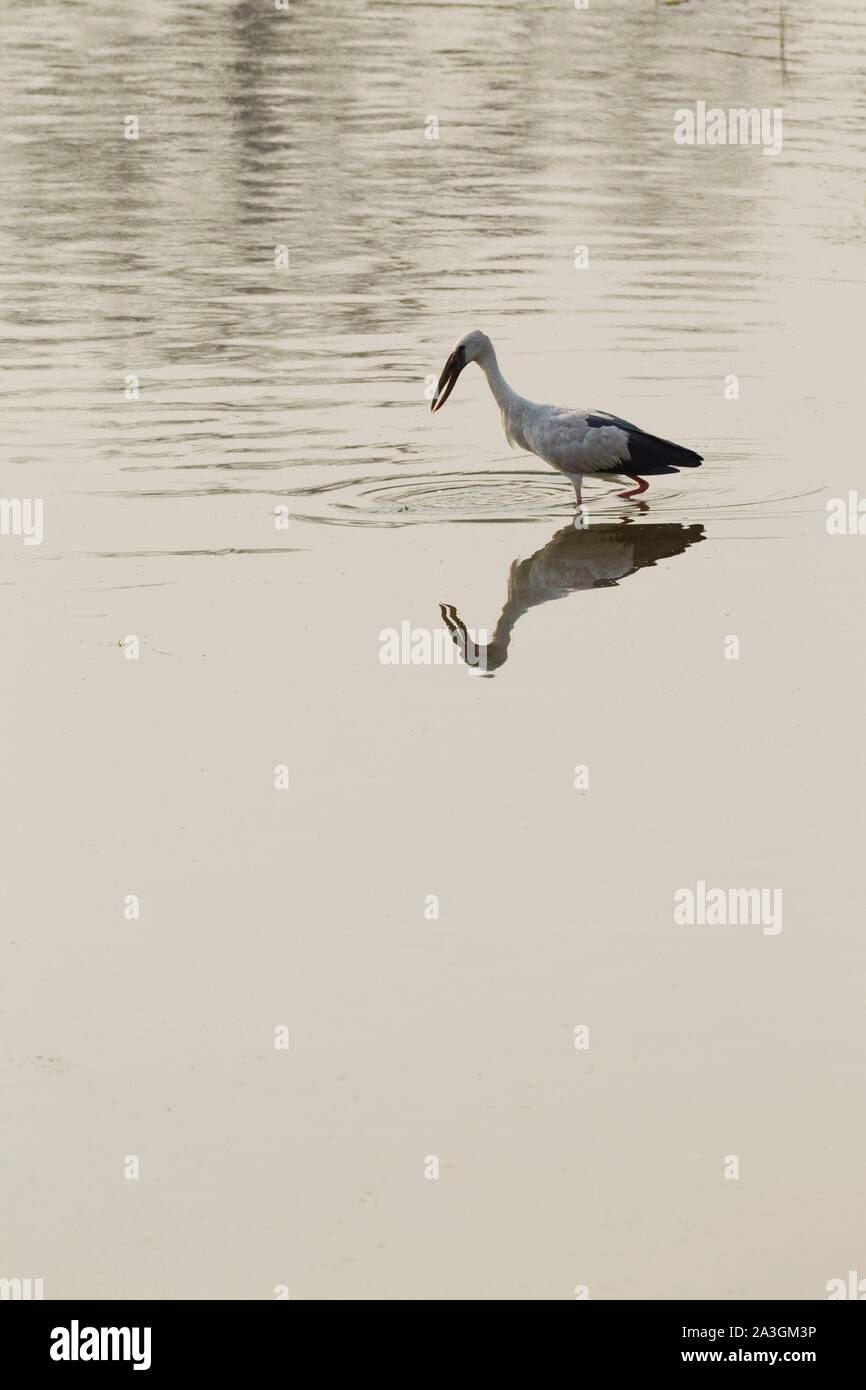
(303, 385)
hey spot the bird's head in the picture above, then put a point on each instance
(472, 347)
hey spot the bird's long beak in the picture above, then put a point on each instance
(450, 372)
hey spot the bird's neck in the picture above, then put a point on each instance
(506, 398)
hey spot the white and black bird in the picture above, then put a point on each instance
(579, 443)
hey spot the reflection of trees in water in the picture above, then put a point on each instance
(306, 127)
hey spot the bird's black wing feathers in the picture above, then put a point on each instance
(648, 454)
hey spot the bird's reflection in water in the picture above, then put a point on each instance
(574, 559)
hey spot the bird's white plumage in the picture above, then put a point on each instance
(576, 442)
(564, 438)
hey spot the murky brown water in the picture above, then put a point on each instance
(149, 265)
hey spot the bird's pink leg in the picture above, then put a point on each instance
(642, 486)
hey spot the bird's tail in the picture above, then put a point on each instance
(650, 455)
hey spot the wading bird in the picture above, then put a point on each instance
(579, 443)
